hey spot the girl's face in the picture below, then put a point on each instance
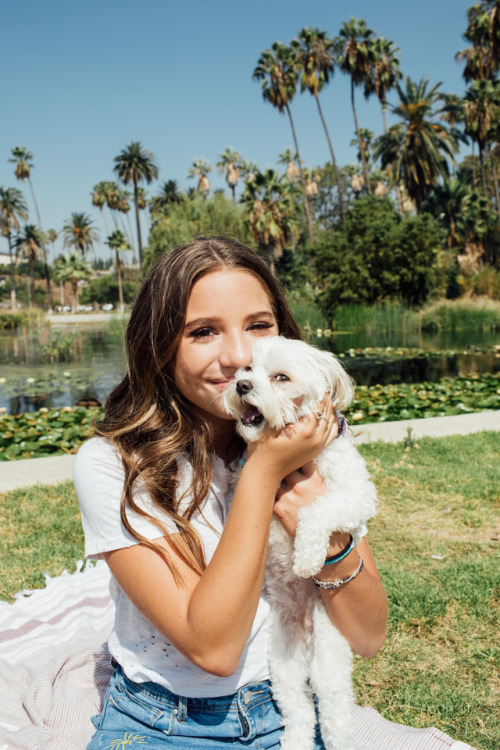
(226, 312)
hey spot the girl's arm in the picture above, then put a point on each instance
(208, 618)
(358, 609)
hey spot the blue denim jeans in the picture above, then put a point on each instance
(150, 716)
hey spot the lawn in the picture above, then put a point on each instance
(435, 538)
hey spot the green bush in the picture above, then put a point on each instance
(377, 256)
(105, 290)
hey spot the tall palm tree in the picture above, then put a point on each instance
(230, 162)
(482, 111)
(315, 59)
(134, 165)
(79, 232)
(482, 58)
(12, 208)
(200, 169)
(118, 242)
(30, 243)
(73, 268)
(23, 159)
(269, 204)
(419, 147)
(386, 71)
(354, 47)
(277, 69)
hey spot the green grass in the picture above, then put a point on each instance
(435, 539)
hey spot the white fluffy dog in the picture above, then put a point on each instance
(307, 655)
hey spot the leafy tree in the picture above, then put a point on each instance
(230, 162)
(79, 232)
(30, 242)
(73, 268)
(118, 242)
(270, 212)
(104, 289)
(419, 147)
(315, 60)
(134, 165)
(198, 216)
(377, 256)
(12, 208)
(277, 69)
(482, 58)
(482, 111)
(354, 47)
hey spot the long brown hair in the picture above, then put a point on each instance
(146, 417)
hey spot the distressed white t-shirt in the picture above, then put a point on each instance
(139, 648)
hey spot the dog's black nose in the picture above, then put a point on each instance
(243, 386)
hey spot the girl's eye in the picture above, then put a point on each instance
(201, 333)
(260, 326)
(281, 377)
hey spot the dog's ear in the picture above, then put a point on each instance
(339, 382)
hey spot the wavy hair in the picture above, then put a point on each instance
(146, 418)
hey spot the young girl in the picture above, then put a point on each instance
(186, 553)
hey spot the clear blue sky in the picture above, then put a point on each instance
(81, 80)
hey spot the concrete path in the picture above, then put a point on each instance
(55, 469)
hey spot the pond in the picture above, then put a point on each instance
(29, 380)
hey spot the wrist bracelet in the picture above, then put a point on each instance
(342, 554)
(335, 584)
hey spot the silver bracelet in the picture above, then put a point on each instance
(335, 584)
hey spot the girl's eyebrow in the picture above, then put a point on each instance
(208, 321)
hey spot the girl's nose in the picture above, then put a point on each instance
(236, 352)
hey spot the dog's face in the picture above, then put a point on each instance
(285, 381)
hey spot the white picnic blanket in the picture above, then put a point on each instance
(54, 669)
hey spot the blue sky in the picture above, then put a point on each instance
(81, 80)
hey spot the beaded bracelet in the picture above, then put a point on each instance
(342, 554)
(335, 584)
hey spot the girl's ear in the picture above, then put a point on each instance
(340, 383)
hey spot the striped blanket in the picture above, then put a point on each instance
(54, 669)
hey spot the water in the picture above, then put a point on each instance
(28, 383)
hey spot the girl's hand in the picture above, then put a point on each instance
(298, 490)
(282, 453)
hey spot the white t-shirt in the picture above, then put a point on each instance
(139, 648)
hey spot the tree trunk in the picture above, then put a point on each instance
(495, 180)
(307, 207)
(31, 261)
(120, 286)
(74, 301)
(334, 162)
(13, 299)
(360, 142)
(139, 238)
(44, 249)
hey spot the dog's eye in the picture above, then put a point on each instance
(281, 377)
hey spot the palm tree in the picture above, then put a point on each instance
(315, 61)
(134, 165)
(169, 195)
(118, 242)
(79, 232)
(482, 110)
(73, 268)
(418, 148)
(200, 169)
(482, 58)
(23, 159)
(277, 69)
(386, 71)
(12, 208)
(230, 162)
(355, 57)
(270, 211)
(30, 243)
(289, 158)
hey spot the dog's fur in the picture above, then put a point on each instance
(307, 655)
